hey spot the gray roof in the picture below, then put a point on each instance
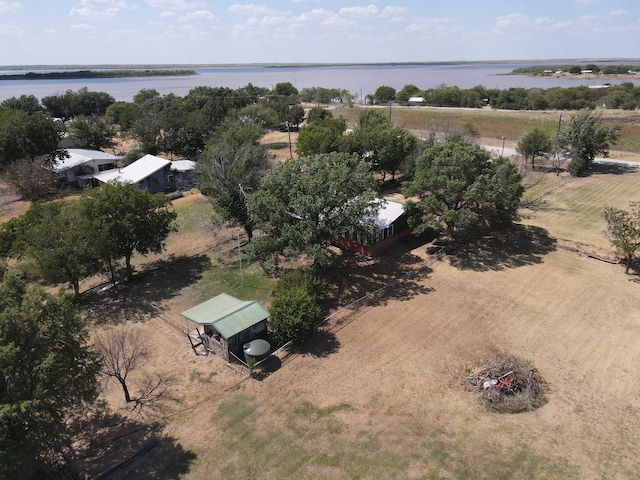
(227, 314)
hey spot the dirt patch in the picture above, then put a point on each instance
(282, 145)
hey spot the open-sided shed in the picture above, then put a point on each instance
(228, 323)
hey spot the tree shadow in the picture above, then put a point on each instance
(397, 273)
(165, 280)
(520, 246)
(114, 446)
(612, 168)
(323, 343)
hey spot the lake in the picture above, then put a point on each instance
(357, 79)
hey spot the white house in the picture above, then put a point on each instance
(151, 173)
(83, 162)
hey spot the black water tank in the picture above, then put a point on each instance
(256, 350)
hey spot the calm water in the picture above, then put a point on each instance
(359, 80)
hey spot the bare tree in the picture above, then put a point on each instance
(32, 179)
(122, 352)
(530, 180)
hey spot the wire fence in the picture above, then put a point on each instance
(334, 322)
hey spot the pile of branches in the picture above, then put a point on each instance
(507, 384)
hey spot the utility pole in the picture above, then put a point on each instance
(240, 258)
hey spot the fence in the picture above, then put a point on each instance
(350, 312)
(334, 322)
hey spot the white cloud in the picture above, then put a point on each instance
(359, 12)
(107, 3)
(198, 16)
(314, 16)
(576, 26)
(618, 13)
(80, 26)
(336, 21)
(253, 10)
(9, 30)
(426, 24)
(513, 20)
(585, 1)
(394, 12)
(174, 4)
(166, 13)
(87, 12)
(9, 7)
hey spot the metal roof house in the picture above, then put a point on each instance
(81, 161)
(229, 323)
(151, 173)
(390, 229)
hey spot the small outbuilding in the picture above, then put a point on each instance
(390, 229)
(228, 323)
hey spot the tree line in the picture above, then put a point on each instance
(625, 96)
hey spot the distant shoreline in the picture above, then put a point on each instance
(154, 67)
(84, 74)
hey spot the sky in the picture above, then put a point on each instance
(100, 32)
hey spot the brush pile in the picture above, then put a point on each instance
(507, 384)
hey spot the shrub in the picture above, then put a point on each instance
(294, 315)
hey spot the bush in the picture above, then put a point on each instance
(301, 277)
(294, 315)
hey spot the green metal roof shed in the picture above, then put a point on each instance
(228, 315)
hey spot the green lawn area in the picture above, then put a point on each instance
(572, 208)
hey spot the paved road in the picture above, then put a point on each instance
(509, 152)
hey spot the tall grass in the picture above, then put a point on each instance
(511, 125)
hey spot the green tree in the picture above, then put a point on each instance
(285, 89)
(230, 168)
(47, 372)
(303, 204)
(294, 315)
(123, 114)
(385, 146)
(58, 240)
(584, 137)
(26, 103)
(323, 136)
(534, 144)
(462, 191)
(385, 94)
(125, 219)
(623, 231)
(92, 132)
(407, 92)
(317, 114)
(27, 136)
(83, 102)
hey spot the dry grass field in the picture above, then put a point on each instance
(382, 395)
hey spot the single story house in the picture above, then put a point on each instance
(82, 161)
(391, 228)
(416, 101)
(228, 323)
(151, 173)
